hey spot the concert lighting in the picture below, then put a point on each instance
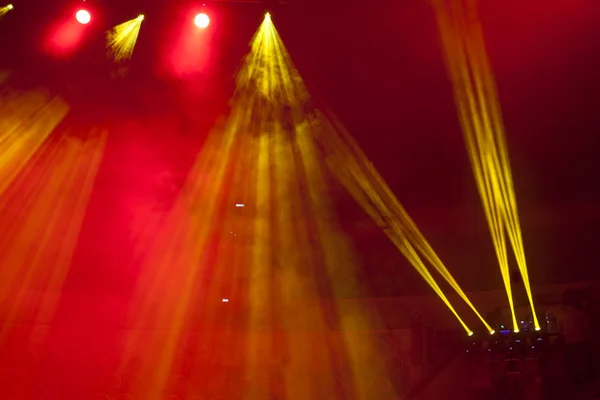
(480, 116)
(202, 20)
(352, 167)
(120, 41)
(276, 170)
(83, 17)
(27, 121)
(5, 9)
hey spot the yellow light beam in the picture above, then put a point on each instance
(5, 9)
(481, 121)
(27, 121)
(387, 211)
(43, 211)
(120, 41)
(262, 152)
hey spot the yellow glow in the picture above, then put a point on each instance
(27, 120)
(481, 121)
(46, 178)
(471, 333)
(285, 269)
(120, 41)
(492, 332)
(5, 9)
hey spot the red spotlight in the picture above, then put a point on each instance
(83, 17)
(202, 20)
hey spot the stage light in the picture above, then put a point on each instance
(83, 17)
(5, 9)
(202, 20)
(481, 120)
(120, 41)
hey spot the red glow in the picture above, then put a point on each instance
(190, 48)
(65, 37)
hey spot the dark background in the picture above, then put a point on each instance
(378, 65)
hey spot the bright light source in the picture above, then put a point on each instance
(492, 332)
(202, 20)
(225, 300)
(239, 205)
(5, 9)
(83, 17)
(120, 40)
(471, 333)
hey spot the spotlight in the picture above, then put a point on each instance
(83, 17)
(202, 20)
(5, 9)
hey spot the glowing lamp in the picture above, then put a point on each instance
(202, 20)
(83, 17)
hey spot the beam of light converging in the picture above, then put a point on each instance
(277, 260)
(120, 40)
(27, 120)
(46, 178)
(481, 120)
(5, 9)
(359, 176)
